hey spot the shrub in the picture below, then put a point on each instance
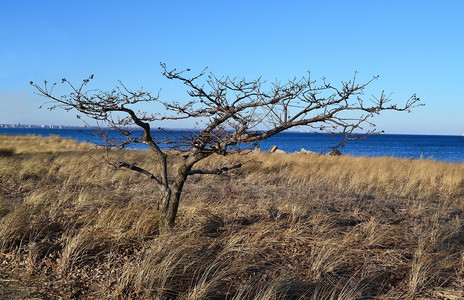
(7, 151)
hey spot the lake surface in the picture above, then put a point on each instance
(436, 147)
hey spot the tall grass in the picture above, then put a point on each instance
(281, 227)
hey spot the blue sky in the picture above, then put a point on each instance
(415, 47)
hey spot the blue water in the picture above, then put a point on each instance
(435, 147)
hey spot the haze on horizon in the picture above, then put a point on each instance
(415, 47)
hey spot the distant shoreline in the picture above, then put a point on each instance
(53, 126)
(33, 126)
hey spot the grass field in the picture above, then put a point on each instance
(290, 226)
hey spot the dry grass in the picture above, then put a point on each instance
(282, 227)
(28, 144)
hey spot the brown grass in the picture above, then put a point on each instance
(282, 227)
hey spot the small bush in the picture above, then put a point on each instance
(7, 151)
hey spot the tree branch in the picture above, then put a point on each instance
(122, 164)
(216, 171)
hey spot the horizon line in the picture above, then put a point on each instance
(61, 126)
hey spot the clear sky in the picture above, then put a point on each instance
(415, 47)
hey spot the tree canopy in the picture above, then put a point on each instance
(228, 113)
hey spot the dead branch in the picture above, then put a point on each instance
(215, 171)
(121, 164)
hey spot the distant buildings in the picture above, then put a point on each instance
(18, 125)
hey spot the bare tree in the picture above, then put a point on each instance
(228, 112)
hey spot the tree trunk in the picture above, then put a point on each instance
(164, 222)
(167, 216)
(171, 199)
